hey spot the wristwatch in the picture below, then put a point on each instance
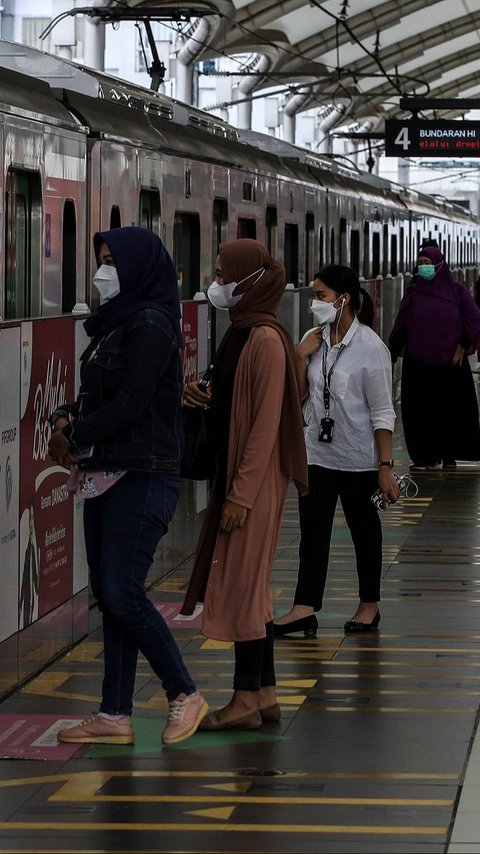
(389, 463)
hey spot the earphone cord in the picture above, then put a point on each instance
(411, 488)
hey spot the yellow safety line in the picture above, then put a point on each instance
(187, 827)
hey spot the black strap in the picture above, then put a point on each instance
(327, 377)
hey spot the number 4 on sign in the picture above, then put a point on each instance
(402, 139)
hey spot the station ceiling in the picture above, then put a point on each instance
(364, 54)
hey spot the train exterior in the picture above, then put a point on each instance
(83, 152)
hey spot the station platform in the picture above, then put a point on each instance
(376, 750)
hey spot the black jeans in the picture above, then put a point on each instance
(254, 664)
(317, 510)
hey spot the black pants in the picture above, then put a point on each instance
(254, 664)
(317, 510)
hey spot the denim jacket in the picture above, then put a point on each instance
(129, 405)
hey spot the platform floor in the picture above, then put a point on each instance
(376, 750)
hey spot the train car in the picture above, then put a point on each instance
(82, 151)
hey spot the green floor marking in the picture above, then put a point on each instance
(148, 732)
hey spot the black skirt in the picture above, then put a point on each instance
(439, 412)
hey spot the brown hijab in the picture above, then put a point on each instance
(262, 293)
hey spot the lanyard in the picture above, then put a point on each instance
(328, 377)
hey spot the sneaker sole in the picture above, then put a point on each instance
(203, 711)
(107, 739)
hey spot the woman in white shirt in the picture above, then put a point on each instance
(344, 374)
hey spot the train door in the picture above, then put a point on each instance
(386, 259)
(355, 250)
(393, 254)
(220, 226)
(149, 209)
(271, 222)
(69, 256)
(309, 248)
(290, 252)
(23, 224)
(366, 250)
(186, 253)
(376, 264)
(342, 242)
(332, 245)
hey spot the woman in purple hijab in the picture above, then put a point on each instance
(436, 322)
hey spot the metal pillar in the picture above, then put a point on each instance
(403, 172)
(289, 126)
(184, 81)
(94, 49)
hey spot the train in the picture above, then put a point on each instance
(82, 151)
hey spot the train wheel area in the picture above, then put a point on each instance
(376, 748)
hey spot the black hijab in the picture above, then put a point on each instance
(147, 279)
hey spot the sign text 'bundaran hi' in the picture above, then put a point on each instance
(414, 138)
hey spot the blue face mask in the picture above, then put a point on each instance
(426, 271)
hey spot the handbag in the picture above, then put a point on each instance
(199, 457)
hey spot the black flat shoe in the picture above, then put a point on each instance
(307, 625)
(357, 626)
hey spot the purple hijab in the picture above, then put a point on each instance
(435, 316)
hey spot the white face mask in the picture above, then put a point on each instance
(106, 281)
(221, 296)
(324, 312)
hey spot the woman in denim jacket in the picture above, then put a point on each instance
(124, 440)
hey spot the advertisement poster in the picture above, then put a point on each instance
(9, 476)
(46, 508)
(190, 341)
(80, 568)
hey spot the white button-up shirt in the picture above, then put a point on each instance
(360, 399)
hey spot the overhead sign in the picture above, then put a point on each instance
(414, 138)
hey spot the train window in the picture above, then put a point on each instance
(247, 191)
(246, 228)
(69, 256)
(332, 246)
(23, 217)
(366, 250)
(271, 229)
(342, 244)
(355, 250)
(309, 247)
(290, 252)
(149, 210)
(376, 267)
(219, 226)
(402, 249)
(393, 255)
(186, 253)
(115, 218)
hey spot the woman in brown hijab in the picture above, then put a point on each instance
(259, 438)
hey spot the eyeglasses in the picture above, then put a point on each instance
(219, 274)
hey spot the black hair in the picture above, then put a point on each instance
(344, 280)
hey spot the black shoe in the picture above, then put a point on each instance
(357, 626)
(307, 625)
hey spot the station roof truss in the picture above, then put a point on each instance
(362, 54)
